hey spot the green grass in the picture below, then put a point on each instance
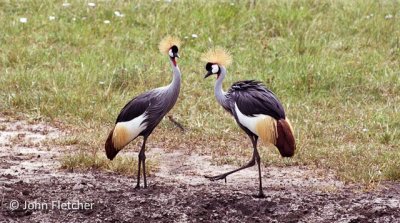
(123, 165)
(334, 65)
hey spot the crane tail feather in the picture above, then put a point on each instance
(285, 141)
(266, 129)
(111, 151)
(278, 133)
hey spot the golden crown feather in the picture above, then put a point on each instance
(167, 43)
(218, 55)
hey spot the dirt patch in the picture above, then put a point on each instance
(30, 175)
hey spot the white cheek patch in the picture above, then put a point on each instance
(170, 53)
(214, 69)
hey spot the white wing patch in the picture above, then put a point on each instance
(248, 121)
(124, 132)
(261, 125)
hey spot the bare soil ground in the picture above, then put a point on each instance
(30, 173)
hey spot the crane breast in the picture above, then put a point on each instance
(124, 132)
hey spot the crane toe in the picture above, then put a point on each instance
(218, 177)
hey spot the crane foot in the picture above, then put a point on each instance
(259, 195)
(218, 177)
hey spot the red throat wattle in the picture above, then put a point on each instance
(173, 61)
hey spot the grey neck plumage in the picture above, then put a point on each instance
(176, 80)
(220, 94)
(172, 90)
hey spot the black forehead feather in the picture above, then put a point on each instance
(174, 49)
(208, 66)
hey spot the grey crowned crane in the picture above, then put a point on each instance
(143, 113)
(256, 110)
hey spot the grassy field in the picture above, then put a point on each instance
(335, 65)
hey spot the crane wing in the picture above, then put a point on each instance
(136, 107)
(253, 98)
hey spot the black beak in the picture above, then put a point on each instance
(208, 74)
(176, 55)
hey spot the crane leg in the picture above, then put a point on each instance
(142, 158)
(251, 163)
(258, 159)
(138, 174)
(144, 169)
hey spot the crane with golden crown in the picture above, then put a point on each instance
(142, 114)
(256, 110)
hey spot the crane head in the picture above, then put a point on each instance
(173, 52)
(170, 45)
(215, 58)
(212, 68)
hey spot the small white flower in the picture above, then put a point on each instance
(51, 18)
(74, 19)
(91, 4)
(23, 20)
(389, 16)
(66, 4)
(106, 21)
(365, 130)
(194, 36)
(118, 14)
(186, 37)
(101, 82)
(232, 3)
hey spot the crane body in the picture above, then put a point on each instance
(142, 114)
(256, 109)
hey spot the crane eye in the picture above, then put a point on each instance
(214, 68)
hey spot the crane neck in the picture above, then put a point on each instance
(176, 79)
(220, 94)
